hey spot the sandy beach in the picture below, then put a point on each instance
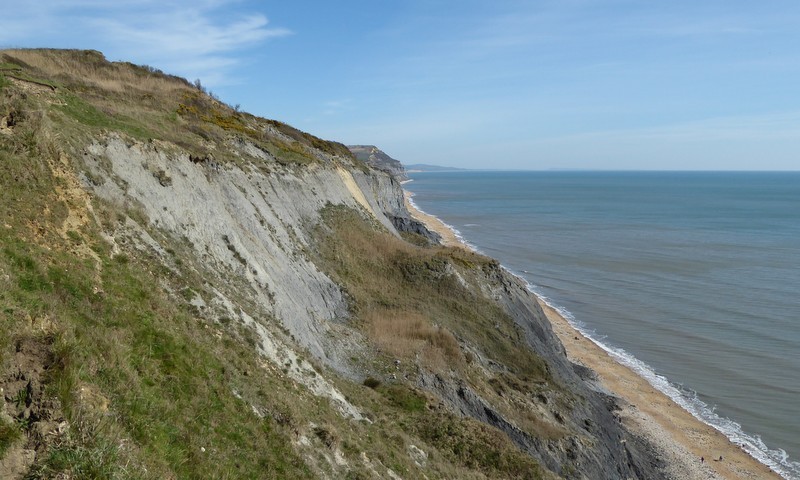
(449, 238)
(681, 439)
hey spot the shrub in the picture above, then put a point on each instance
(372, 383)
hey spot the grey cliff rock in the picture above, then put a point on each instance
(252, 223)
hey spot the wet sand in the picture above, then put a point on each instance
(681, 439)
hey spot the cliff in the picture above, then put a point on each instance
(190, 291)
(378, 160)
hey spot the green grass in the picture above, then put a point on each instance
(168, 383)
(102, 95)
(388, 278)
(13, 70)
(204, 115)
(403, 397)
(8, 66)
(168, 387)
(467, 443)
(86, 114)
(289, 154)
(477, 446)
(332, 148)
(411, 292)
(90, 460)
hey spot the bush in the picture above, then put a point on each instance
(372, 383)
(405, 398)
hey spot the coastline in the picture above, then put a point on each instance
(679, 437)
(449, 238)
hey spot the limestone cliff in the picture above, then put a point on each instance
(378, 160)
(191, 291)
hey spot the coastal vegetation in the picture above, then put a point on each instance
(415, 301)
(145, 103)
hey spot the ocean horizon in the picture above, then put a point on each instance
(688, 278)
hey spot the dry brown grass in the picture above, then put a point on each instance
(393, 320)
(409, 335)
(146, 103)
(411, 302)
(91, 69)
(90, 91)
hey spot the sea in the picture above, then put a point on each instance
(690, 278)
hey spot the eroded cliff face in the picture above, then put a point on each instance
(245, 226)
(300, 268)
(250, 229)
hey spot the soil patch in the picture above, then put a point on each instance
(26, 401)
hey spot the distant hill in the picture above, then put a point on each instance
(378, 159)
(421, 167)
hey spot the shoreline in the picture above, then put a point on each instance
(678, 436)
(449, 238)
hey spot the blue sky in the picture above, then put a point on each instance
(601, 84)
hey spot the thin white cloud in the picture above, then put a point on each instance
(538, 28)
(188, 34)
(333, 107)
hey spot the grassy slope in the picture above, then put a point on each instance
(396, 284)
(162, 385)
(150, 390)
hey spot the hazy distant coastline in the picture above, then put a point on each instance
(422, 167)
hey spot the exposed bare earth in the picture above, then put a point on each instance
(681, 439)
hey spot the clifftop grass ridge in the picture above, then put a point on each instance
(191, 291)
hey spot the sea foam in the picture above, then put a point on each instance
(456, 232)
